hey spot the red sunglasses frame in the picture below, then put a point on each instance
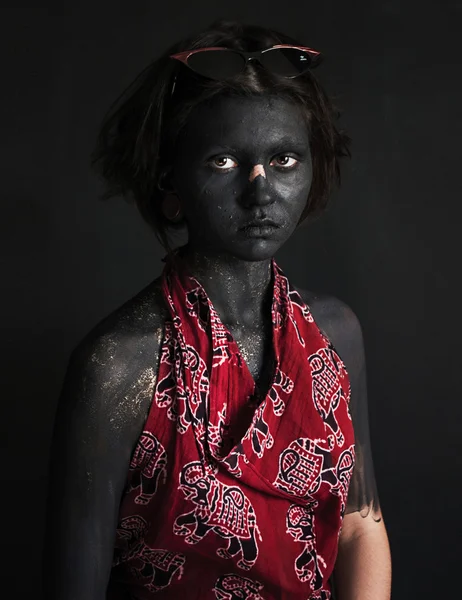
(183, 56)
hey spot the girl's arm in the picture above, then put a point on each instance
(363, 566)
(100, 415)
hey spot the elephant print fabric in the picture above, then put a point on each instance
(235, 587)
(223, 509)
(148, 464)
(228, 497)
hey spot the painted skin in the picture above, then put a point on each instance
(218, 174)
(240, 160)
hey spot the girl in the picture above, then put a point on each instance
(212, 439)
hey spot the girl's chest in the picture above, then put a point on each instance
(257, 353)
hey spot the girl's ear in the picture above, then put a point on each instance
(171, 208)
(165, 181)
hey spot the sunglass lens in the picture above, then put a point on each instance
(216, 64)
(288, 62)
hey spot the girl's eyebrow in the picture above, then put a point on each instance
(284, 144)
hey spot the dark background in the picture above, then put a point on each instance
(388, 246)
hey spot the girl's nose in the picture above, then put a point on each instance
(258, 192)
(256, 171)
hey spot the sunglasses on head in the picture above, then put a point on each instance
(223, 63)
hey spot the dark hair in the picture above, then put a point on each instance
(137, 140)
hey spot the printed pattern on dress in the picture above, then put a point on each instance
(285, 302)
(166, 395)
(185, 405)
(303, 466)
(321, 595)
(160, 566)
(280, 302)
(154, 567)
(327, 372)
(296, 300)
(232, 461)
(129, 538)
(259, 433)
(214, 434)
(310, 476)
(236, 587)
(344, 472)
(219, 508)
(148, 465)
(197, 306)
(222, 351)
(300, 525)
(282, 384)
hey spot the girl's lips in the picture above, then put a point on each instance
(259, 230)
(260, 223)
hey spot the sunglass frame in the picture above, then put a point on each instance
(184, 56)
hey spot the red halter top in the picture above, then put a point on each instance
(215, 508)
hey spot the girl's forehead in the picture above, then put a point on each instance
(233, 120)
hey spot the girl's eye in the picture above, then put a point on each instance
(285, 161)
(226, 163)
(222, 163)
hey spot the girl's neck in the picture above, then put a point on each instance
(239, 290)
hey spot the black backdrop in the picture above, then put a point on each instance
(388, 245)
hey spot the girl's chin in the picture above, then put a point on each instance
(254, 249)
(247, 248)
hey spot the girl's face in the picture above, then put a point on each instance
(243, 161)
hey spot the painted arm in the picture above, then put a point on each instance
(96, 425)
(363, 566)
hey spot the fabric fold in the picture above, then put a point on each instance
(263, 511)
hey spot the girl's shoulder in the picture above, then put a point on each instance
(339, 323)
(127, 333)
(112, 370)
